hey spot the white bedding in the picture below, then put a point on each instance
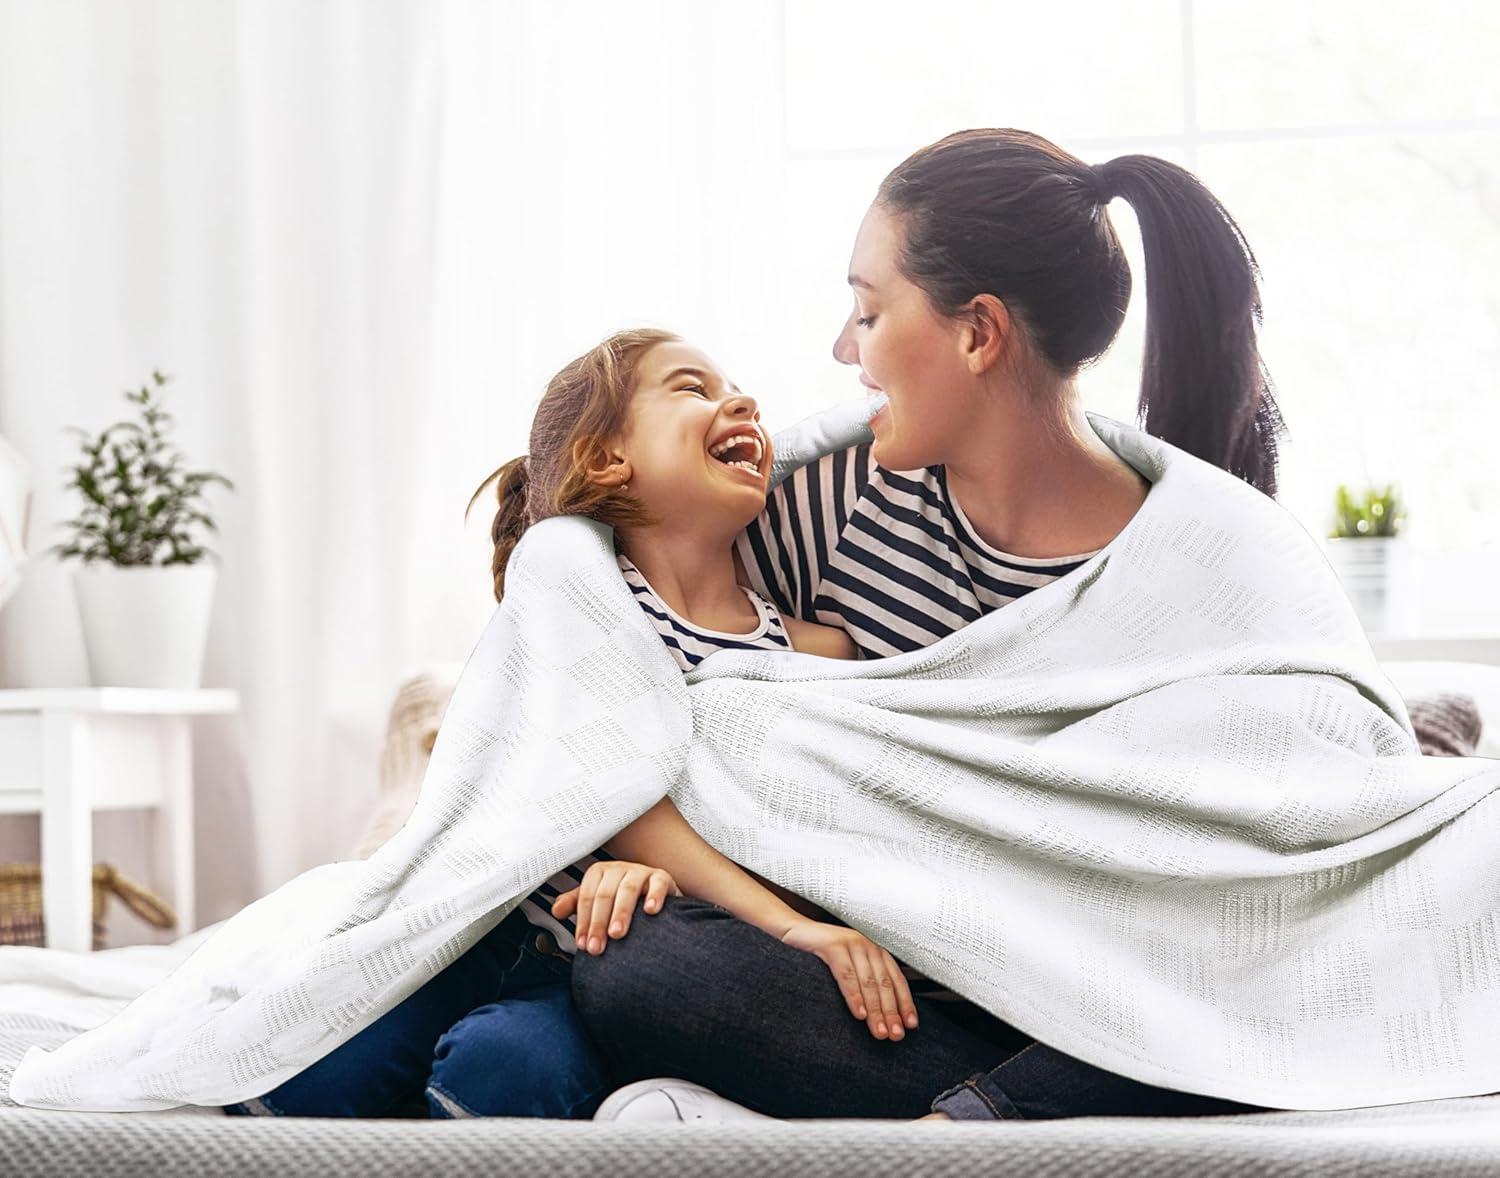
(76, 991)
(1164, 813)
(84, 989)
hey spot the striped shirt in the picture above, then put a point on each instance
(689, 645)
(889, 557)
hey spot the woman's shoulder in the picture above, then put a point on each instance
(855, 455)
(833, 429)
(839, 475)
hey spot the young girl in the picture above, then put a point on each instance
(644, 433)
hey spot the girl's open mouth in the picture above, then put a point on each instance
(753, 475)
(741, 451)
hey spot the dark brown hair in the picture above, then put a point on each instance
(585, 404)
(1005, 212)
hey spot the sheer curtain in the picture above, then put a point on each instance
(360, 236)
(362, 233)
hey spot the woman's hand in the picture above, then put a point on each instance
(607, 896)
(869, 977)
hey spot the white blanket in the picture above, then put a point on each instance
(1164, 813)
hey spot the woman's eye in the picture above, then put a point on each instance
(699, 387)
(865, 322)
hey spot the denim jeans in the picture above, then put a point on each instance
(494, 1034)
(693, 992)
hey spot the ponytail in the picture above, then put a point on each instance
(510, 521)
(1204, 386)
(1008, 213)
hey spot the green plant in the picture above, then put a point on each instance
(139, 505)
(1374, 514)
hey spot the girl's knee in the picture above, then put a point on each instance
(525, 1056)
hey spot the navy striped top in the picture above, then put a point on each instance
(689, 645)
(890, 557)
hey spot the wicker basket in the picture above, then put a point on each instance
(21, 903)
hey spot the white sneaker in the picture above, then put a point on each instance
(670, 1099)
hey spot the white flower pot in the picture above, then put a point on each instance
(1379, 574)
(145, 626)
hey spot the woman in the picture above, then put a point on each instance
(985, 275)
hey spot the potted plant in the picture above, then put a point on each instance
(1371, 557)
(145, 588)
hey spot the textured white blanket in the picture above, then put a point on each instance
(1164, 813)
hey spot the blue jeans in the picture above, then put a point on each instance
(493, 1035)
(696, 993)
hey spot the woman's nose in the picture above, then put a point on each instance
(845, 350)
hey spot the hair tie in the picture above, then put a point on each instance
(1101, 183)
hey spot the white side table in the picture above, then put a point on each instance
(66, 752)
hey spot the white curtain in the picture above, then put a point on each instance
(359, 236)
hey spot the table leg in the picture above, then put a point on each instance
(177, 816)
(67, 834)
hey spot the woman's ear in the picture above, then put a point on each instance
(985, 334)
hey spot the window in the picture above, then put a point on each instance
(1361, 156)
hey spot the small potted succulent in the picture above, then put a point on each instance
(1370, 556)
(145, 588)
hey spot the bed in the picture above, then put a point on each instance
(46, 996)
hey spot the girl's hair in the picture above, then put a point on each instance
(1007, 213)
(585, 404)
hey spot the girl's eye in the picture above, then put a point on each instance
(699, 387)
(866, 321)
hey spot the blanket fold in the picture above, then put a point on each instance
(1164, 813)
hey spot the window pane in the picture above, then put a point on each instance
(1288, 63)
(1381, 261)
(873, 75)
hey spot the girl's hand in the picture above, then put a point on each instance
(869, 977)
(607, 896)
